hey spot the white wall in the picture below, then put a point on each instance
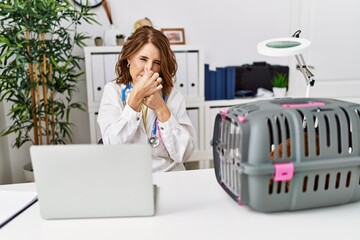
(335, 52)
(228, 31)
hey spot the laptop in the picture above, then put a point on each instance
(93, 181)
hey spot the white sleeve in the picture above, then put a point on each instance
(118, 123)
(177, 133)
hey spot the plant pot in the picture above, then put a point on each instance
(99, 42)
(120, 41)
(279, 92)
(29, 172)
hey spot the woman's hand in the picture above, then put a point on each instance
(157, 103)
(149, 84)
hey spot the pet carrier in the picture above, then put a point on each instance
(289, 154)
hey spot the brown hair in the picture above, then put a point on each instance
(134, 43)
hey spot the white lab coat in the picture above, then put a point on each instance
(120, 124)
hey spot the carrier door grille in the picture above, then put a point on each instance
(230, 155)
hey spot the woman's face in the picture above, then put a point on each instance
(146, 59)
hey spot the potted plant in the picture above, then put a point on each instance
(280, 84)
(120, 39)
(38, 70)
(99, 41)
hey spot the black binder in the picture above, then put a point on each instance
(250, 77)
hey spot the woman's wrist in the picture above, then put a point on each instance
(163, 114)
(135, 102)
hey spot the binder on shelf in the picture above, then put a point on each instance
(181, 74)
(193, 74)
(220, 83)
(109, 67)
(230, 84)
(212, 85)
(207, 82)
(98, 76)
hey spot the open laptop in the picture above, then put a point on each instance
(91, 181)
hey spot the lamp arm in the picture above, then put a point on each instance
(308, 75)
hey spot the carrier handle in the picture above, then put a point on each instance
(300, 105)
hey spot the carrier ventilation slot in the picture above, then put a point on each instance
(337, 120)
(308, 138)
(288, 141)
(305, 132)
(279, 147)
(348, 178)
(357, 111)
(349, 130)
(317, 183)
(338, 177)
(278, 187)
(316, 128)
(327, 128)
(271, 137)
(327, 180)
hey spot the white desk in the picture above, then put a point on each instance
(191, 205)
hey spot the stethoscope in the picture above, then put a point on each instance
(154, 140)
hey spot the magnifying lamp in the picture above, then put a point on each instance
(282, 47)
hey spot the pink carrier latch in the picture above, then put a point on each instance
(284, 171)
(223, 112)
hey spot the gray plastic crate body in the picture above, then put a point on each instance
(289, 154)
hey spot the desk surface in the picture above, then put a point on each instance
(191, 205)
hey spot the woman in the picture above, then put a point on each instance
(142, 105)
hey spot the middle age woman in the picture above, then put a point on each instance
(142, 105)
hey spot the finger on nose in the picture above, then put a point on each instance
(156, 75)
(158, 81)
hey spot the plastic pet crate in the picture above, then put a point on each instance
(289, 154)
